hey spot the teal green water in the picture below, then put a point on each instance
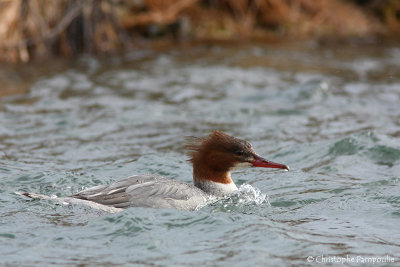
(331, 113)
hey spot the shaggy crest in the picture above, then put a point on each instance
(217, 140)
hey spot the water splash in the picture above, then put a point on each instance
(248, 194)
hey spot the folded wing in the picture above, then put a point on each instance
(145, 191)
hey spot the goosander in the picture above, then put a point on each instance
(213, 158)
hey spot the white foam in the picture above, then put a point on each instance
(249, 193)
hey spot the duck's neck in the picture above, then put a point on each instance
(213, 182)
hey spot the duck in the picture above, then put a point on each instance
(213, 158)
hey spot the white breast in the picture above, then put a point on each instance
(216, 189)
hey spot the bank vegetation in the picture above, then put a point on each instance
(31, 29)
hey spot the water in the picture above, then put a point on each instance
(330, 112)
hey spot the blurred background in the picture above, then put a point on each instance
(40, 28)
(94, 91)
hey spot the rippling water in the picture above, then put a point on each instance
(330, 112)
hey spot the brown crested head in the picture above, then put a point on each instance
(220, 152)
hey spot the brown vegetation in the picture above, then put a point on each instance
(39, 28)
(43, 27)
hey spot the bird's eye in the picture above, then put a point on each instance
(239, 152)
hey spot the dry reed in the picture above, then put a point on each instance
(42, 28)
